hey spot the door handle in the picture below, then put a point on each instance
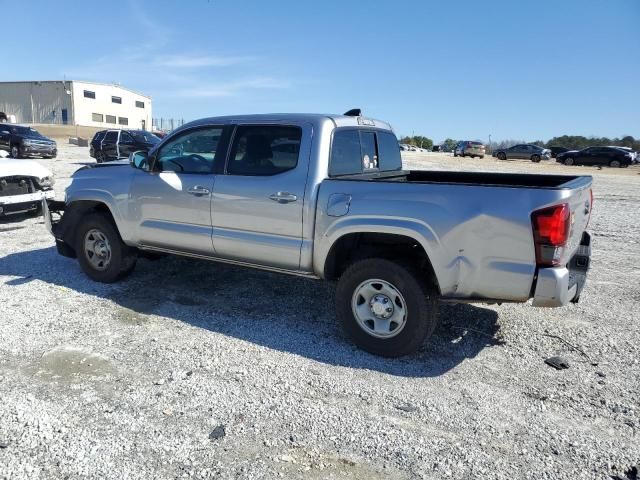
(283, 197)
(198, 190)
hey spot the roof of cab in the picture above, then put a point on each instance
(314, 118)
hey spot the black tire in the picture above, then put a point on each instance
(122, 258)
(535, 158)
(615, 164)
(568, 161)
(418, 294)
(501, 156)
(15, 151)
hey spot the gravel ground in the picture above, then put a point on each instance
(194, 369)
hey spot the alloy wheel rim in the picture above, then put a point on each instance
(379, 308)
(97, 249)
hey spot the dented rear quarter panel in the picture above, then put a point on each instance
(479, 238)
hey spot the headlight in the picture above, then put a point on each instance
(46, 182)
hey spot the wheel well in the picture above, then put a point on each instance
(75, 211)
(356, 246)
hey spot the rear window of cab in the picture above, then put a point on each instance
(355, 151)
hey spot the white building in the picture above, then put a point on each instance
(75, 103)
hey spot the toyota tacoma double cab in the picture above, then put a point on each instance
(326, 197)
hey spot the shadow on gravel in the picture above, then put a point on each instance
(276, 311)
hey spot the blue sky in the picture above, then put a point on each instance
(462, 69)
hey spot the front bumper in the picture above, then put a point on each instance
(24, 203)
(39, 150)
(556, 287)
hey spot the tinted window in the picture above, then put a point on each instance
(98, 136)
(89, 94)
(345, 153)
(126, 138)
(139, 104)
(111, 137)
(388, 151)
(97, 117)
(116, 99)
(264, 150)
(111, 119)
(145, 137)
(191, 152)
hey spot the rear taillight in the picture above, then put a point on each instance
(550, 233)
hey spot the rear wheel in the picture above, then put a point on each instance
(502, 156)
(615, 164)
(102, 254)
(386, 308)
(535, 158)
(568, 161)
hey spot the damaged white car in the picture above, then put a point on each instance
(23, 185)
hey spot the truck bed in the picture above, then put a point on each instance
(482, 179)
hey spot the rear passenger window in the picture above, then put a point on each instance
(357, 151)
(389, 152)
(345, 153)
(111, 137)
(264, 150)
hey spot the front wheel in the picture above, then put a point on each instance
(535, 158)
(385, 307)
(568, 161)
(102, 254)
(15, 151)
(615, 164)
(502, 156)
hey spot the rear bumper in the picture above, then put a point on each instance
(556, 287)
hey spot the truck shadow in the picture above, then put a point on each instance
(275, 311)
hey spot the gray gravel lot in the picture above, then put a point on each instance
(195, 369)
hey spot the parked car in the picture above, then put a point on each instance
(556, 150)
(341, 209)
(23, 185)
(108, 145)
(436, 148)
(523, 151)
(22, 142)
(611, 156)
(468, 148)
(634, 155)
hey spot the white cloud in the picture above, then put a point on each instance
(232, 88)
(199, 61)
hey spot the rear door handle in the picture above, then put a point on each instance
(198, 190)
(283, 197)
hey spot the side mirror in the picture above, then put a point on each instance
(139, 160)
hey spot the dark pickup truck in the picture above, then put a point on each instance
(22, 142)
(108, 145)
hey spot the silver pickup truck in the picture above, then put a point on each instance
(325, 196)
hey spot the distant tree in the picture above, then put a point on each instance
(418, 141)
(449, 143)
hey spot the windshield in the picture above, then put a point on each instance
(25, 131)
(145, 137)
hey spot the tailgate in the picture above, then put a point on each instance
(580, 203)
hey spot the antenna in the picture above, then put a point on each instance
(354, 112)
